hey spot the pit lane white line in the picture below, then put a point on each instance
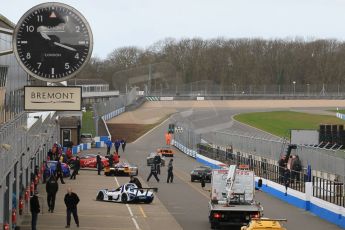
(129, 209)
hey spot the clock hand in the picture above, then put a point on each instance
(64, 46)
(45, 36)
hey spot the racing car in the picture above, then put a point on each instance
(90, 160)
(121, 169)
(264, 223)
(51, 168)
(166, 151)
(127, 193)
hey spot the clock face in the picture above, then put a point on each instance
(52, 42)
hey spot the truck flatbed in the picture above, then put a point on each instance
(236, 207)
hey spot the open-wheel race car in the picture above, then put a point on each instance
(127, 193)
(121, 169)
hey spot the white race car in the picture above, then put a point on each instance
(127, 193)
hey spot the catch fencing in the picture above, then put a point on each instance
(321, 160)
(212, 89)
(262, 156)
(262, 168)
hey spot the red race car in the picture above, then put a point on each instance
(90, 160)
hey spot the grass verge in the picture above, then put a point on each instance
(280, 123)
(88, 125)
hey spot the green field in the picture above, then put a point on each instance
(280, 123)
(88, 125)
(339, 111)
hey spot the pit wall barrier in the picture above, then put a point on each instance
(325, 210)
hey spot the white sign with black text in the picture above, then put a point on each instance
(50, 98)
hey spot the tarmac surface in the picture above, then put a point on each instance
(180, 205)
(96, 215)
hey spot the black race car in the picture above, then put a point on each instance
(198, 172)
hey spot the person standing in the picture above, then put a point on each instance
(111, 160)
(99, 164)
(59, 173)
(157, 160)
(117, 145)
(76, 168)
(51, 187)
(109, 144)
(135, 181)
(153, 172)
(170, 171)
(123, 144)
(286, 179)
(71, 201)
(34, 209)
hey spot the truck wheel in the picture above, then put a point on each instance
(214, 226)
(191, 179)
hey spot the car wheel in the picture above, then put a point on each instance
(124, 198)
(192, 179)
(100, 196)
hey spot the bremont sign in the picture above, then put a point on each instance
(52, 98)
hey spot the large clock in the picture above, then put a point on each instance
(52, 42)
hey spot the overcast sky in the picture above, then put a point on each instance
(119, 23)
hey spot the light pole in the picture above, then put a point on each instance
(294, 87)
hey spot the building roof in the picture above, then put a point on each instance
(6, 23)
(77, 81)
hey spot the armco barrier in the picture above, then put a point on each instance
(325, 210)
(115, 113)
(184, 149)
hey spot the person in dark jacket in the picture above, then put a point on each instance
(109, 144)
(59, 173)
(99, 164)
(123, 144)
(71, 201)
(34, 209)
(170, 171)
(76, 168)
(153, 172)
(282, 165)
(111, 160)
(117, 145)
(51, 187)
(136, 181)
(286, 179)
(157, 160)
(296, 168)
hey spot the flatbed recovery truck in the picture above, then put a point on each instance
(232, 197)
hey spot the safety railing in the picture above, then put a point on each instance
(331, 191)
(293, 179)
